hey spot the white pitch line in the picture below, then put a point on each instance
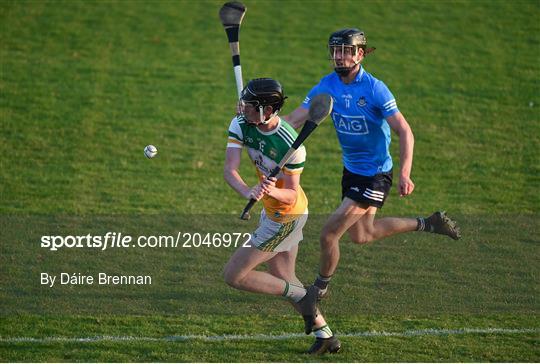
(259, 337)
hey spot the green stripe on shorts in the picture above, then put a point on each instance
(284, 231)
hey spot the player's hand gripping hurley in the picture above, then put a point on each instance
(319, 108)
(231, 15)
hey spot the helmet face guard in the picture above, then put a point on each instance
(344, 48)
(344, 58)
(260, 109)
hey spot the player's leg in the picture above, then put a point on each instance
(361, 196)
(358, 194)
(270, 238)
(240, 272)
(347, 214)
(282, 237)
(371, 192)
(368, 229)
(283, 266)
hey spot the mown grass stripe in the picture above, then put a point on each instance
(284, 336)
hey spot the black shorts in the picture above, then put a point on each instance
(369, 190)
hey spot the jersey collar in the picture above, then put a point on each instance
(359, 75)
(273, 131)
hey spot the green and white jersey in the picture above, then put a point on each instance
(266, 149)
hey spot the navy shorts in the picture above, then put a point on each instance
(369, 190)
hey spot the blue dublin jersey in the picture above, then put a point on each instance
(359, 113)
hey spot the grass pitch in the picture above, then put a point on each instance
(85, 86)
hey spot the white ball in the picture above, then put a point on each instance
(150, 151)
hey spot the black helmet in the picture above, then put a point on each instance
(264, 92)
(348, 37)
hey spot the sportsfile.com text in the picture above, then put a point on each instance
(121, 240)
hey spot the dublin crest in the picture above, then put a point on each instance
(361, 101)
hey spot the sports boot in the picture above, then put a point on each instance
(321, 346)
(442, 224)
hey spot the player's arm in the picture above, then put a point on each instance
(233, 157)
(406, 146)
(232, 176)
(298, 117)
(287, 194)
